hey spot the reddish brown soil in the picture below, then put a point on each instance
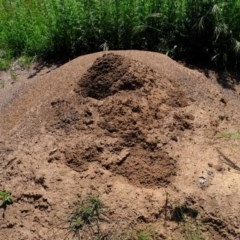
(135, 128)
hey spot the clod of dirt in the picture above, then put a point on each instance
(79, 156)
(65, 114)
(141, 167)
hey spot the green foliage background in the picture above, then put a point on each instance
(195, 30)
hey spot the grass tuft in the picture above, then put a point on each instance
(230, 135)
(86, 218)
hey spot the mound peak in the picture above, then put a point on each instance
(110, 74)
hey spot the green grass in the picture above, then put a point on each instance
(85, 218)
(195, 30)
(91, 219)
(230, 135)
(192, 232)
(5, 59)
(145, 236)
(5, 64)
(25, 61)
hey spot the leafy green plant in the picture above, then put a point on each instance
(86, 218)
(6, 198)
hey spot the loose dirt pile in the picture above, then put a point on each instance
(137, 129)
(133, 125)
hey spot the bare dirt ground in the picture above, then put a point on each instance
(156, 141)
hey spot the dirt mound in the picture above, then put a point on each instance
(135, 108)
(135, 128)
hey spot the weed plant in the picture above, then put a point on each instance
(230, 135)
(145, 236)
(5, 198)
(195, 30)
(192, 231)
(85, 219)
